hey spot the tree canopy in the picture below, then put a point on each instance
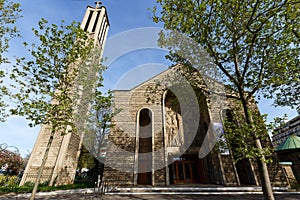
(46, 82)
(9, 13)
(50, 85)
(254, 44)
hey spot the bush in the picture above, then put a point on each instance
(43, 187)
(13, 181)
(9, 181)
(2, 180)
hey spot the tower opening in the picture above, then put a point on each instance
(88, 21)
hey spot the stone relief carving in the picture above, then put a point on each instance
(174, 128)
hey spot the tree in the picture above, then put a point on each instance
(276, 124)
(97, 130)
(47, 83)
(94, 123)
(253, 43)
(289, 94)
(9, 13)
(86, 160)
(99, 123)
(238, 135)
(11, 158)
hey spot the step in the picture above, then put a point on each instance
(190, 190)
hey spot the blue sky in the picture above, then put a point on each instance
(123, 16)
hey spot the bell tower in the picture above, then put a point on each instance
(95, 22)
(61, 164)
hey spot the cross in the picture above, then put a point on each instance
(98, 3)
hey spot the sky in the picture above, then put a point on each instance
(130, 21)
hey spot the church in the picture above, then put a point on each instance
(166, 131)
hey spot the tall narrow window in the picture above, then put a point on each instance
(145, 147)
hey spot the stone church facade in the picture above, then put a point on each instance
(154, 142)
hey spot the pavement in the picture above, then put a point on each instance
(152, 197)
(91, 194)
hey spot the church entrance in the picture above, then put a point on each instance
(184, 171)
(187, 169)
(145, 148)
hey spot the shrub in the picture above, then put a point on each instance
(12, 181)
(27, 187)
(9, 181)
(2, 180)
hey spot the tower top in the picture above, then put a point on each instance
(98, 3)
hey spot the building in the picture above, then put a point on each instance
(289, 154)
(162, 137)
(61, 164)
(281, 133)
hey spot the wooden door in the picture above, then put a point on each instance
(185, 171)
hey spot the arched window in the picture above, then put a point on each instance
(145, 147)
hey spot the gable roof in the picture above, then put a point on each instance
(291, 142)
(162, 73)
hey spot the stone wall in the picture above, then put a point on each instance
(38, 152)
(228, 167)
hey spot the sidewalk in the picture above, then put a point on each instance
(154, 197)
(90, 194)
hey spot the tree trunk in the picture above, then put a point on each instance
(40, 172)
(264, 174)
(262, 165)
